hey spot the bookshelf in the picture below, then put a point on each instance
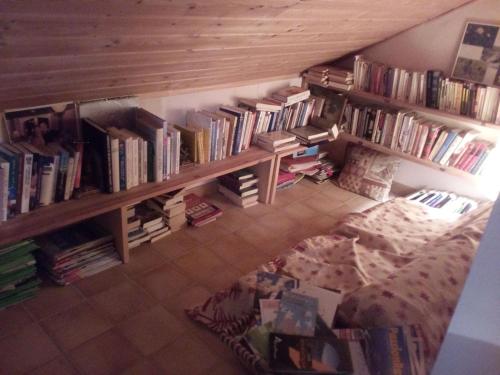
(276, 169)
(110, 209)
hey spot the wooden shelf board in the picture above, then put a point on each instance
(378, 99)
(58, 215)
(402, 155)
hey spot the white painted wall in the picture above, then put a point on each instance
(174, 108)
(472, 343)
(434, 45)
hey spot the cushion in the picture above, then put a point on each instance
(368, 172)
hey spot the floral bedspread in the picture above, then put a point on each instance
(396, 263)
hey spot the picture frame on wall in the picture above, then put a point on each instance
(478, 56)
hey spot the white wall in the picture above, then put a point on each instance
(472, 343)
(174, 108)
(434, 45)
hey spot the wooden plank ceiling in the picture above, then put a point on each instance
(60, 50)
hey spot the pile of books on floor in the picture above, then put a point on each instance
(76, 252)
(122, 158)
(145, 224)
(323, 171)
(240, 187)
(327, 75)
(285, 180)
(200, 211)
(430, 88)
(301, 162)
(407, 132)
(172, 207)
(277, 141)
(293, 334)
(445, 201)
(18, 280)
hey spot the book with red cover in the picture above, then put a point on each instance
(301, 160)
(284, 176)
(200, 211)
(467, 156)
(480, 149)
(431, 138)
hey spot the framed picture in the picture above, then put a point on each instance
(478, 57)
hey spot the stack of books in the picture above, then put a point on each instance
(293, 333)
(18, 280)
(330, 76)
(199, 211)
(445, 201)
(240, 187)
(285, 180)
(430, 88)
(76, 252)
(407, 132)
(122, 158)
(299, 164)
(145, 224)
(310, 134)
(172, 207)
(323, 171)
(277, 141)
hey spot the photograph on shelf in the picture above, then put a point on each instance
(478, 57)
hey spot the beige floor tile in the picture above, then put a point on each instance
(229, 368)
(176, 245)
(26, 350)
(207, 234)
(321, 203)
(191, 297)
(299, 211)
(339, 194)
(12, 319)
(102, 281)
(251, 263)
(143, 258)
(150, 330)
(232, 248)
(277, 223)
(75, 326)
(52, 299)
(200, 263)
(221, 201)
(257, 235)
(106, 354)
(359, 203)
(233, 220)
(258, 210)
(57, 366)
(122, 301)
(164, 282)
(186, 356)
(145, 367)
(222, 280)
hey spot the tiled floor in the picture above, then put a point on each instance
(130, 319)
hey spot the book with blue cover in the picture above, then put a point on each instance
(296, 314)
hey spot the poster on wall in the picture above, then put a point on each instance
(478, 57)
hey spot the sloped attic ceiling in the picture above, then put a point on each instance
(58, 50)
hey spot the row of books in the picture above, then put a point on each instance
(18, 279)
(431, 89)
(75, 252)
(330, 76)
(293, 333)
(122, 158)
(240, 187)
(407, 132)
(445, 201)
(37, 175)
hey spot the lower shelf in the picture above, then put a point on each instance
(58, 215)
(450, 170)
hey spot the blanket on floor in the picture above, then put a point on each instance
(396, 263)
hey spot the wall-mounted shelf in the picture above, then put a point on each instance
(428, 163)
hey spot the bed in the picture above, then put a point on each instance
(396, 263)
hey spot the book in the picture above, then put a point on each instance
(98, 155)
(309, 133)
(200, 211)
(239, 200)
(309, 355)
(276, 138)
(296, 314)
(291, 95)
